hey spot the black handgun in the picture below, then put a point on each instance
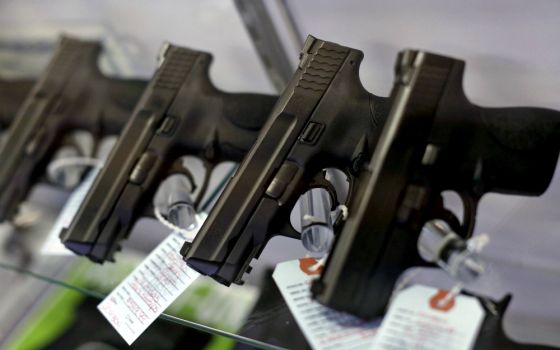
(491, 334)
(72, 94)
(180, 113)
(324, 119)
(12, 94)
(434, 140)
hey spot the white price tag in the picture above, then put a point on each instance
(323, 328)
(52, 245)
(138, 300)
(421, 318)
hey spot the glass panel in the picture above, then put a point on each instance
(206, 305)
(230, 312)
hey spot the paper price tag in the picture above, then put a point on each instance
(52, 245)
(417, 319)
(139, 299)
(323, 328)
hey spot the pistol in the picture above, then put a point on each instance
(324, 119)
(434, 140)
(72, 94)
(180, 113)
(12, 95)
(492, 334)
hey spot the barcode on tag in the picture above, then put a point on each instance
(138, 300)
(52, 244)
(324, 328)
(418, 318)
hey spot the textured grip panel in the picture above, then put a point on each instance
(321, 66)
(523, 128)
(178, 63)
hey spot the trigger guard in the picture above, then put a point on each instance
(287, 230)
(470, 206)
(148, 211)
(70, 141)
(463, 229)
(351, 179)
(319, 181)
(178, 168)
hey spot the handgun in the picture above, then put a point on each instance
(491, 334)
(180, 113)
(434, 140)
(72, 94)
(12, 94)
(324, 119)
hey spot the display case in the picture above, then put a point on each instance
(511, 60)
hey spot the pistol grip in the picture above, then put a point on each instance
(520, 153)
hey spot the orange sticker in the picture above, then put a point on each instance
(308, 266)
(435, 301)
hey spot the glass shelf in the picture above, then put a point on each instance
(205, 306)
(171, 317)
(526, 265)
